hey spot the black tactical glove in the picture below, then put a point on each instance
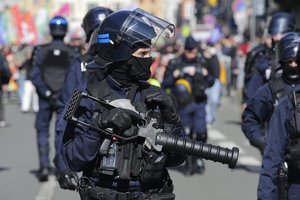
(119, 119)
(165, 104)
(67, 179)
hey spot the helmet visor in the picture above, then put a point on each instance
(142, 29)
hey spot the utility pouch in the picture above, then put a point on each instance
(108, 161)
(282, 182)
(125, 161)
(152, 166)
(99, 193)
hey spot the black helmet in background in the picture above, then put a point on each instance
(93, 19)
(58, 26)
(122, 32)
(282, 22)
(288, 50)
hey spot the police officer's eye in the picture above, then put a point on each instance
(145, 53)
(142, 52)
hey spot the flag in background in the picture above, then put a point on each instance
(64, 10)
(28, 30)
(8, 29)
(16, 21)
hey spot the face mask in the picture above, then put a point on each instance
(140, 68)
(291, 73)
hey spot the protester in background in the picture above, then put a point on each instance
(4, 79)
(29, 97)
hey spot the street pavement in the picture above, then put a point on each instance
(19, 162)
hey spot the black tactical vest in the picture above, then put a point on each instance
(129, 160)
(56, 59)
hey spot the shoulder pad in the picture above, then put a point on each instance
(260, 49)
(252, 56)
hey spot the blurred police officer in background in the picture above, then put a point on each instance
(260, 107)
(262, 62)
(280, 172)
(189, 76)
(75, 76)
(50, 65)
(128, 169)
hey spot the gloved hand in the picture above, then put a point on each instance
(67, 179)
(119, 119)
(165, 104)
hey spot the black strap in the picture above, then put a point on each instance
(132, 92)
(295, 98)
(277, 88)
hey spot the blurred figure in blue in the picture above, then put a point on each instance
(214, 93)
(50, 63)
(280, 172)
(189, 76)
(256, 116)
(262, 62)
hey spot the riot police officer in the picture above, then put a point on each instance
(257, 114)
(262, 62)
(280, 172)
(50, 64)
(115, 168)
(189, 76)
(75, 76)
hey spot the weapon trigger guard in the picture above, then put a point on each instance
(150, 133)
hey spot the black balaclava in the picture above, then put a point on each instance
(131, 71)
(140, 67)
(291, 74)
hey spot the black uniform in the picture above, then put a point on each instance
(116, 167)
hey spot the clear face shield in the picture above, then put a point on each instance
(142, 30)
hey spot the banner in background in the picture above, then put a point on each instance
(64, 10)
(28, 32)
(16, 20)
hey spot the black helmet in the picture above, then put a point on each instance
(58, 26)
(93, 19)
(288, 47)
(123, 31)
(282, 22)
(190, 43)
